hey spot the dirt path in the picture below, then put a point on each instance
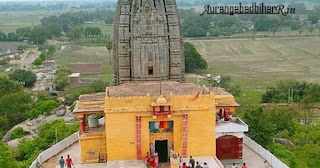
(29, 59)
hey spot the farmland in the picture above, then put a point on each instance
(256, 64)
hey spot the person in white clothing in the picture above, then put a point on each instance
(234, 165)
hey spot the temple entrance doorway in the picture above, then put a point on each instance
(162, 148)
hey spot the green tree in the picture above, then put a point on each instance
(313, 16)
(109, 47)
(38, 62)
(75, 33)
(193, 60)
(21, 48)
(27, 78)
(8, 86)
(14, 107)
(52, 31)
(226, 83)
(62, 78)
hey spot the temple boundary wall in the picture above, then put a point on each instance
(268, 156)
(54, 150)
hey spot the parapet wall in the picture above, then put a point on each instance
(268, 156)
(54, 150)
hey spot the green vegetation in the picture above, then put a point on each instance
(17, 133)
(231, 87)
(7, 157)
(26, 78)
(62, 78)
(292, 91)
(47, 51)
(28, 150)
(194, 25)
(193, 59)
(43, 107)
(72, 94)
(79, 53)
(14, 104)
(267, 124)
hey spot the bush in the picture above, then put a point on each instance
(17, 133)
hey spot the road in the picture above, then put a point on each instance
(25, 63)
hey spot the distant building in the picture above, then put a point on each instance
(86, 68)
(75, 80)
(49, 64)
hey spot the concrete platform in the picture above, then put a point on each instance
(74, 152)
(126, 164)
(252, 159)
(211, 161)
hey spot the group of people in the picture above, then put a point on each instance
(152, 160)
(68, 162)
(235, 166)
(194, 164)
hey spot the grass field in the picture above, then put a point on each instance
(11, 20)
(256, 64)
(77, 53)
(105, 29)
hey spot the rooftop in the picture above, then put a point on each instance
(167, 87)
(74, 75)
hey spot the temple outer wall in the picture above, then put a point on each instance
(121, 116)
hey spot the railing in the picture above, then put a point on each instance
(54, 150)
(268, 156)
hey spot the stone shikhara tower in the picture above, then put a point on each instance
(148, 44)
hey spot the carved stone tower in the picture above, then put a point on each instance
(148, 44)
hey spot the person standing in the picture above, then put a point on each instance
(156, 159)
(151, 162)
(147, 159)
(192, 162)
(69, 162)
(205, 165)
(234, 165)
(244, 165)
(184, 165)
(61, 162)
(198, 165)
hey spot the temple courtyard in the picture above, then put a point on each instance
(251, 158)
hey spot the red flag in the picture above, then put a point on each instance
(196, 96)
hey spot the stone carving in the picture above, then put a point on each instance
(147, 41)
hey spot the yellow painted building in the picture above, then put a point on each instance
(136, 119)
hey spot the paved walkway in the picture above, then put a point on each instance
(74, 152)
(252, 159)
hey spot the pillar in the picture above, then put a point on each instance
(138, 136)
(184, 135)
(83, 124)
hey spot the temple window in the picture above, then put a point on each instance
(161, 126)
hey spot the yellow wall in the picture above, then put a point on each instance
(90, 144)
(121, 136)
(121, 125)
